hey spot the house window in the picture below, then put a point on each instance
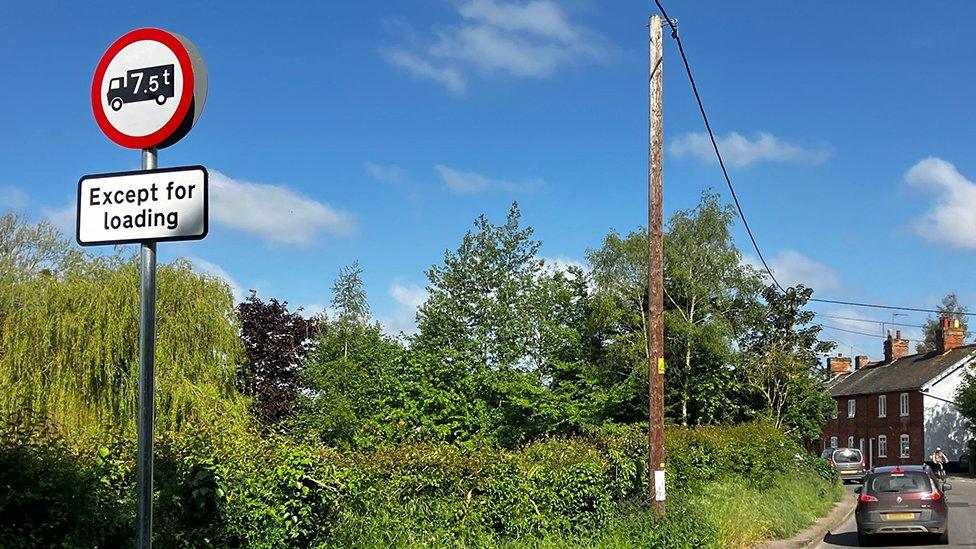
(833, 414)
(903, 401)
(850, 407)
(882, 446)
(904, 446)
(850, 442)
(882, 405)
(833, 442)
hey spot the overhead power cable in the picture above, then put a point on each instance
(870, 320)
(735, 198)
(855, 332)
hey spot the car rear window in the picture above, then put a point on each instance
(908, 482)
(847, 456)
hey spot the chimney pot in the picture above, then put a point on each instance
(895, 348)
(949, 335)
(839, 364)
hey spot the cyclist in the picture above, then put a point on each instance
(940, 460)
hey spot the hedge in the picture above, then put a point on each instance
(242, 489)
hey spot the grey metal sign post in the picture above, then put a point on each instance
(147, 92)
(147, 365)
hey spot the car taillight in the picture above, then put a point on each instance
(932, 496)
(864, 464)
(866, 498)
(832, 462)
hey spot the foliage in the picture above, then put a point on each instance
(512, 330)
(781, 355)
(966, 402)
(515, 417)
(28, 249)
(349, 385)
(56, 496)
(221, 487)
(950, 306)
(477, 305)
(69, 347)
(276, 341)
(706, 285)
(349, 303)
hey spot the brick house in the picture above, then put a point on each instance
(900, 409)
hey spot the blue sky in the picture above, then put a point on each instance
(379, 130)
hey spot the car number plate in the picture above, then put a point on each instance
(900, 516)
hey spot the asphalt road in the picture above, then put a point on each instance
(962, 523)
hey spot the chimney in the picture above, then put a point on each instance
(949, 335)
(895, 348)
(861, 362)
(839, 364)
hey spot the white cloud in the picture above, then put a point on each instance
(792, 268)
(276, 213)
(386, 174)
(315, 309)
(449, 77)
(952, 218)
(562, 264)
(531, 39)
(473, 183)
(12, 198)
(408, 299)
(212, 269)
(740, 151)
(63, 218)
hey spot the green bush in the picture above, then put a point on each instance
(226, 488)
(55, 496)
(753, 451)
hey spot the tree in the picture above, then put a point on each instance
(512, 327)
(477, 304)
(966, 402)
(619, 325)
(69, 347)
(950, 306)
(781, 353)
(706, 285)
(349, 304)
(276, 342)
(28, 249)
(349, 385)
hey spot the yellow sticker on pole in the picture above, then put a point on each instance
(660, 365)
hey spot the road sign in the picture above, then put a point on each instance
(143, 206)
(147, 93)
(149, 89)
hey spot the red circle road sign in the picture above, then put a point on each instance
(143, 90)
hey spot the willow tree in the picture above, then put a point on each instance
(69, 347)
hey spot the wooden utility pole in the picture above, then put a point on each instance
(655, 268)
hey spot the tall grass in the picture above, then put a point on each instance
(743, 515)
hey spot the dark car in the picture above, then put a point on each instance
(848, 462)
(901, 500)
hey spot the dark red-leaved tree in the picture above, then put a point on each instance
(276, 342)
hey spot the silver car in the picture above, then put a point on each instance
(848, 462)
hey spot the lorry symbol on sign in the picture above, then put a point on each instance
(141, 85)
